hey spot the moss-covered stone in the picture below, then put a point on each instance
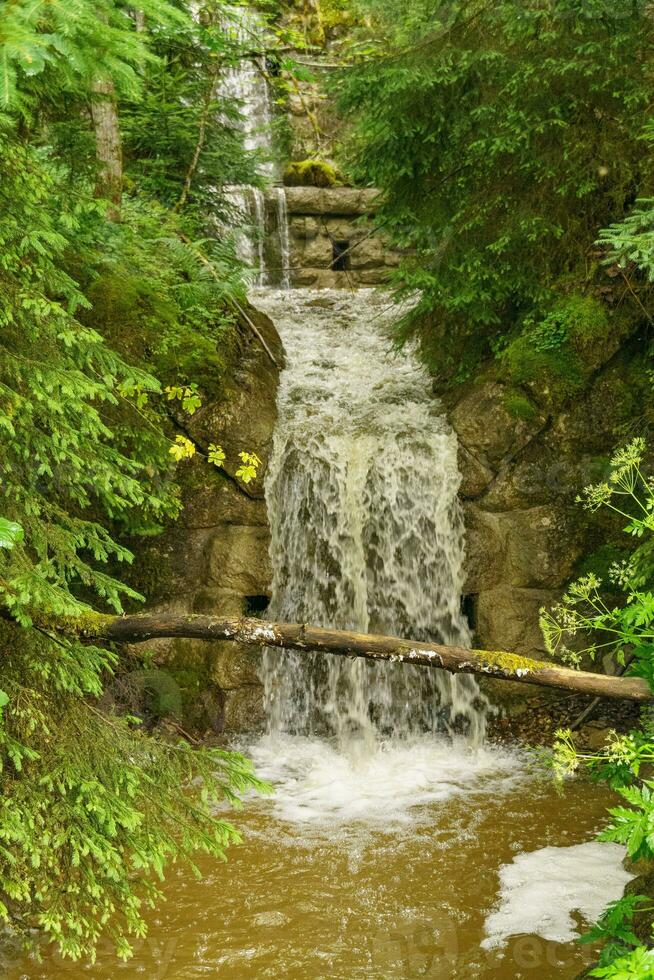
(312, 173)
(520, 407)
(554, 375)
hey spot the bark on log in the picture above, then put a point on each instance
(309, 639)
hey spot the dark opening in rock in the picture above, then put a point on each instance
(469, 609)
(340, 255)
(256, 605)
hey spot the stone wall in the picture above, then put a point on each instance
(322, 220)
(527, 536)
(215, 559)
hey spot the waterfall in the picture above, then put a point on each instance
(366, 527)
(245, 86)
(284, 237)
(248, 213)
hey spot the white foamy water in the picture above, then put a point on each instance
(539, 891)
(319, 783)
(366, 526)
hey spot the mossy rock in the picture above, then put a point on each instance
(553, 357)
(144, 323)
(519, 406)
(312, 173)
(551, 375)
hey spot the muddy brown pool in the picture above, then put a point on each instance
(366, 869)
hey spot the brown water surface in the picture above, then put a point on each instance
(333, 882)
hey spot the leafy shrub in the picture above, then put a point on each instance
(502, 136)
(625, 631)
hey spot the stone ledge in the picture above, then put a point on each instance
(331, 200)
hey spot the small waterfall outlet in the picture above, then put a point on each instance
(367, 532)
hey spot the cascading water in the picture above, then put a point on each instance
(245, 86)
(284, 237)
(384, 852)
(366, 527)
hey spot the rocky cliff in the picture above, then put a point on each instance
(527, 536)
(215, 559)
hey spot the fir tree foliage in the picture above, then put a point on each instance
(503, 137)
(92, 807)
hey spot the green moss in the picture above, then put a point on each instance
(520, 407)
(311, 173)
(89, 624)
(556, 374)
(555, 354)
(510, 662)
(144, 322)
(587, 318)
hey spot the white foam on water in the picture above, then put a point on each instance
(317, 782)
(540, 890)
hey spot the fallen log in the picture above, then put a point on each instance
(310, 639)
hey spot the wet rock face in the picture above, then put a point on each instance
(215, 559)
(526, 534)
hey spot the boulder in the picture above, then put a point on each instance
(485, 549)
(475, 476)
(507, 619)
(243, 709)
(238, 560)
(486, 428)
(234, 665)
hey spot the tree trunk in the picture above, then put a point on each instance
(108, 145)
(310, 639)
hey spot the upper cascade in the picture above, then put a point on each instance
(245, 86)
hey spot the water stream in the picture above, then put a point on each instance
(246, 88)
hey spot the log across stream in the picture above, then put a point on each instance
(344, 643)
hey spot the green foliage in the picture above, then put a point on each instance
(247, 471)
(638, 965)
(573, 318)
(615, 928)
(631, 241)
(502, 136)
(629, 493)
(94, 316)
(58, 48)
(93, 808)
(10, 533)
(625, 630)
(62, 459)
(180, 109)
(154, 298)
